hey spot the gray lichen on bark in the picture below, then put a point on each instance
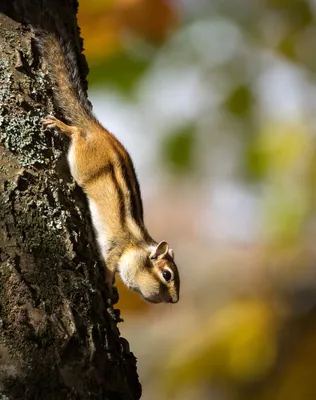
(58, 331)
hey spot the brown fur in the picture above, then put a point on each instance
(103, 168)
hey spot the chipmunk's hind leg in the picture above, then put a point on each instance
(52, 122)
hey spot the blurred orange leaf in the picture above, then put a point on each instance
(104, 24)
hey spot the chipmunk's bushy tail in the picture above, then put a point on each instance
(57, 39)
(62, 65)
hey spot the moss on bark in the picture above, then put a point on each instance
(58, 330)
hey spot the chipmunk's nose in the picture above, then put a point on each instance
(174, 299)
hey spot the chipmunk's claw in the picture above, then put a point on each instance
(50, 122)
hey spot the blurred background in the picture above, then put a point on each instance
(216, 102)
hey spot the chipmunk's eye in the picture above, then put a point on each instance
(167, 275)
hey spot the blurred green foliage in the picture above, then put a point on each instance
(240, 101)
(121, 71)
(178, 150)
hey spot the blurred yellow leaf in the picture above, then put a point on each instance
(237, 343)
(286, 208)
(283, 146)
(283, 151)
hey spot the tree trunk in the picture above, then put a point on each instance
(58, 331)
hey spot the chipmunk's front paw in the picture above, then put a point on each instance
(50, 122)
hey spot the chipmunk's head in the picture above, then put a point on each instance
(151, 272)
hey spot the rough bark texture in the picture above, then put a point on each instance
(58, 331)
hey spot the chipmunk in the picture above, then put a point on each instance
(102, 167)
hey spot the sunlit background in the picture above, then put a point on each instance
(216, 102)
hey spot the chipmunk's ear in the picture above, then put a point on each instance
(171, 253)
(160, 250)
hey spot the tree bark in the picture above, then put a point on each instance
(58, 331)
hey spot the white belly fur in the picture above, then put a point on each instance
(100, 228)
(72, 162)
